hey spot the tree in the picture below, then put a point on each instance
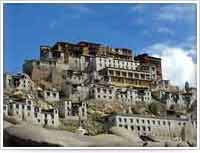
(187, 86)
(154, 108)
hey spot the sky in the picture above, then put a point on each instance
(167, 31)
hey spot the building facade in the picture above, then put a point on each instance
(25, 110)
(158, 127)
(73, 110)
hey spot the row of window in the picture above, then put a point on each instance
(23, 106)
(101, 60)
(130, 74)
(144, 121)
(105, 97)
(144, 128)
(49, 93)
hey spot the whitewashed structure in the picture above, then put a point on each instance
(160, 127)
(101, 62)
(20, 81)
(51, 95)
(76, 110)
(125, 95)
(25, 110)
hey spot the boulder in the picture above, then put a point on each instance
(127, 134)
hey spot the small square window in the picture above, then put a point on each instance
(125, 120)
(17, 106)
(48, 93)
(54, 94)
(164, 123)
(132, 127)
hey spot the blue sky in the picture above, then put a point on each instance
(152, 28)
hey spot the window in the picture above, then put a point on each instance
(169, 123)
(125, 120)
(52, 122)
(138, 128)
(36, 115)
(98, 96)
(131, 120)
(158, 122)
(98, 89)
(142, 121)
(130, 75)
(148, 121)
(83, 111)
(28, 107)
(110, 97)
(119, 119)
(17, 106)
(164, 123)
(132, 127)
(110, 91)
(45, 115)
(54, 94)
(123, 74)
(137, 120)
(144, 128)
(136, 75)
(120, 125)
(4, 107)
(104, 96)
(22, 106)
(153, 121)
(48, 93)
(149, 128)
(126, 126)
(38, 120)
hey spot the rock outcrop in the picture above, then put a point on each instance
(35, 136)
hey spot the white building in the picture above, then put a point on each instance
(51, 95)
(133, 95)
(101, 62)
(102, 92)
(20, 81)
(76, 110)
(160, 127)
(124, 95)
(25, 110)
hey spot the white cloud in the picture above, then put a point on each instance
(165, 30)
(175, 12)
(177, 65)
